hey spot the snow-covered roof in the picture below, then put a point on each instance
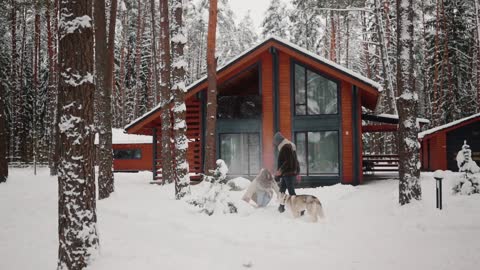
(395, 116)
(120, 137)
(451, 124)
(317, 57)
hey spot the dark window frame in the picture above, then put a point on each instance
(249, 172)
(295, 103)
(128, 149)
(307, 173)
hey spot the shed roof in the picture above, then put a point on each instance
(452, 125)
(361, 81)
(120, 137)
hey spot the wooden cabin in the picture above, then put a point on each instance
(279, 86)
(441, 144)
(131, 153)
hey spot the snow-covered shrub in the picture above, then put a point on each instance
(469, 181)
(238, 183)
(214, 196)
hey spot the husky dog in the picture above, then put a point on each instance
(299, 203)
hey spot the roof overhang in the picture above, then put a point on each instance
(450, 126)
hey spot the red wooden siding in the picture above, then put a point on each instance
(194, 132)
(194, 129)
(347, 132)
(285, 89)
(438, 149)
(359, 139)
(267, 111)
(142, 164)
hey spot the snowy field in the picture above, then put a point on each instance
(143, 227)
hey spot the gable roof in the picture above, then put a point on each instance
(284, 46)
(452, 125)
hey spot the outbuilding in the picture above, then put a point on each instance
(131, 153)
(278, 86)
(441, 144)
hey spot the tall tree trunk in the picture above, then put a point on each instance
(36, 70)
(365, 46)
(138, 55)
(104, 58)
(21, 121)
(51, 95)
(14, 79)
(477, 18)
(182, 178)
(57, 143)
(121, 83)
(210, 149)
(436, 96)
(77, 230)
(387, 71)
(3, 130)
(409, 163)
(165, 94)
(154, 53)
(333, 42)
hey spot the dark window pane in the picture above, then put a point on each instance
(323, 152)
(127, 154)
(299, 84)
(241, 152)
(254, 153)
(301, 109)
(239, 107)
(321, 94)
(301, 151)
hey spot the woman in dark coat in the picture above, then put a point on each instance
(288, 167)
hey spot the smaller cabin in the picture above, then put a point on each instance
(131, 153)
(441, 144)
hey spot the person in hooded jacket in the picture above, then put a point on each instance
(288, 167)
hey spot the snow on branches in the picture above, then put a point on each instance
(469, 182)
(214, 196)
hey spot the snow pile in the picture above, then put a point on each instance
(214, 197)
(469, 181)
(238, 183)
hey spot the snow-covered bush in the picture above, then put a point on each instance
(238, 183)
(214, 195)
(469, 181)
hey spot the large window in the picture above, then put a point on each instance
(314, 94)
(318, 152)
(239, 107)
(127, 154)
(241, 152)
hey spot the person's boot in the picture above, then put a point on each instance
(281, 208)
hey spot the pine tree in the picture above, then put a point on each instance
(305, 24)
(182, 178)
(408, 145)
(104, 59)
(3, 117)
(77, 232)
(210, 149)
(168, 173)
(275, 22)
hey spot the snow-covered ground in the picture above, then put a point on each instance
(142, 227)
